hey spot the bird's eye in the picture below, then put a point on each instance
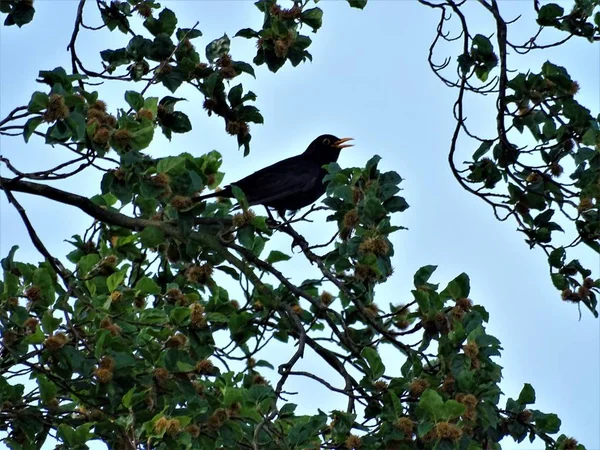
(326, 141)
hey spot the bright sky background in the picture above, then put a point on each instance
(369, 80)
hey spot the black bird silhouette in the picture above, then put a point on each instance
(290, 184)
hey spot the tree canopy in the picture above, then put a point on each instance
(131, 339)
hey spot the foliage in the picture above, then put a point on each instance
(541, 131)
(124, 347)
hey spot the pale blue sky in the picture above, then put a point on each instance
(369, 80)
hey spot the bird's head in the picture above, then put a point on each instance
(327, 147)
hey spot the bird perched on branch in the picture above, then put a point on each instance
(290, 184)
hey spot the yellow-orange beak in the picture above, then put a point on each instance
(340, 144)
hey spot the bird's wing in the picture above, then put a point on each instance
(290, 176)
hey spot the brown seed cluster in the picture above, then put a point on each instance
(33, 293)
(448, 384)
(376, 245)
(114, 329)
(102, 136)
(193, 430)
(173, 427)
(197, 318)
(570, 444)
(160, 426)
(161, 375)
(122, 138)
(9, 337)
(364, 273)
(465, 304)
(199, 274)
(217, 419)
(144, 10)
(406, 425)
(556, 169)
(177, 341)
(470, 401)
(57, 109)
(175, 296)
(259, 379)
(204, 367)
(351, 218)
(418, 386)
(160, 180)
(326, 298)
(525, 416)
(56, 341)
(471, 350)
(353, 442)
(569, 296)
(286, 14)
(104, 371)
(371, 310)
(243, 218)
(226, 68)
(442, 323)
(145, 113)
(446, 430)
(236, 128)
(380, 386)
(585, 204)
(180, 202)
(31, 324)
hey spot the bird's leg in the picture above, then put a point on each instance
(271, 220)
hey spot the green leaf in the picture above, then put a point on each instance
(166, 23)
(548, 14)
(21, 14)
(360, 4)
(246, 236)
(423, 275)
(557, 257)
(247, 33)
(453, 409)
(151, 237)
(431, 402)
(217, 48)
(482, 45)
(48, 389)
(49, 322)
(178, 122)
(36, 338)
(313, 18)
(172, 165)
(135, 100)
(30, 127)
(374, 361)
(239, 196)
(115, 280)
(548, 423)
(38, 102)
(527, 395)
(482, 150)
(147, 286)
(76, 123)
(277, 256)
(188, 33)
(559, 281)
(457, 288)
(142, 138)
(128, 398)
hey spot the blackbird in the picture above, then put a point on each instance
(290, 184)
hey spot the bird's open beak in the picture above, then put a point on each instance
(340, 144)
